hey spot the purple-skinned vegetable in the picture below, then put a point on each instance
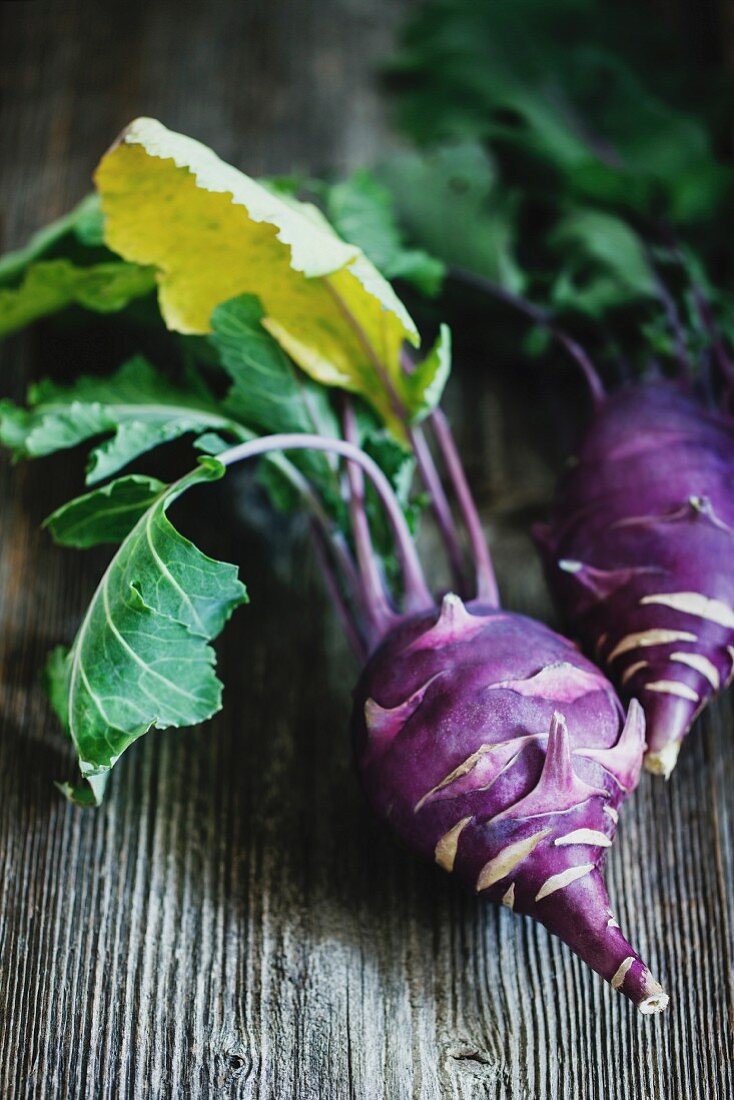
(488, 743)
(638, 552)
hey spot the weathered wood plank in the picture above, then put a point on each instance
(232, 923)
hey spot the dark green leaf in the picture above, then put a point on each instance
(268, 392)
(570, 93)
(362, 211)
(603, 263)
(137, 408)
(84, 223)
(52, 285)
(449, 201)
(140, 659)
(104, 515)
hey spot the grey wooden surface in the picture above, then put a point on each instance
(232, 923)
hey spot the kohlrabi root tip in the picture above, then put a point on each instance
(664, 760)
(656, 1002)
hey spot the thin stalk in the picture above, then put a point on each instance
(417, 596)
(378, 605)
(724, 363)
(434, 487)
(535, 313)
(486, 583)
(674, 322)
(440, 506)
(703, 308)
(346, 615)
(331, 535)
(486, 580)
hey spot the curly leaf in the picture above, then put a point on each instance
(140, 659)
(449, 200)
(213, 234)
(431, 375)
(52, 285)
(362, 211)
(137, 408)
(82, 225)
(104, 515)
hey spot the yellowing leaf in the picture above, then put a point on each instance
(213, 233)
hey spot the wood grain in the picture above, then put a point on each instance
(232, 923)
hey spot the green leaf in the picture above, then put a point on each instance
(212, 444)
(431, 375)
(52, 285)
(268, 392)
(84, 223)
(104, 515)
(572, 96)
(362, 211)
(450, 203)
(137, 408)
(604, 263)
(140, 660)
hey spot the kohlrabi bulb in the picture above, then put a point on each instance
(491, 746)
(640, 554)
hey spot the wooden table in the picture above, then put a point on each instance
(232, 923)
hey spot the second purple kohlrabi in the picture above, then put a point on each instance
(638, 552)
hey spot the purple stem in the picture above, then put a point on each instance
(574, 349)
(378, 606)
(417, 596)
(486, 580)
(707, 317)
(674, 321)
(344, 611)
(485, 574)
(441, 508)
(332, 536)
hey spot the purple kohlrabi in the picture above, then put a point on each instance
(639, 549)
(491, 745)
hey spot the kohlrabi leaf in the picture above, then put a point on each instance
(83, 224)
(602, 263)
(137, 409)
(431, 375)
(104, 515)
(362, 211)
(51, 285)
(270, 394)
(450, 203)
(141, 659)
(268, 391)
(598, 127)
(213, 234)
